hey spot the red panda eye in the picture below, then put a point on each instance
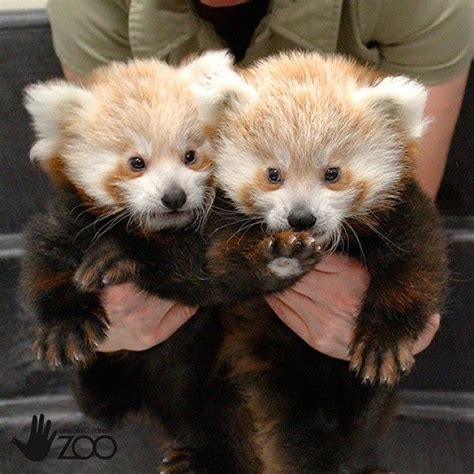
(136, 163)
(190, 157)
(332, 174)
(274, 176)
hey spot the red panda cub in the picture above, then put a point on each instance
(323, 145)
(129, 159)
(133, 171)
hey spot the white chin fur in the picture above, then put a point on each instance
(167, 221)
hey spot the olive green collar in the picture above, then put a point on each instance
(170, 29)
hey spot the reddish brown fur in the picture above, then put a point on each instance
(121, 173)
(41, 282)
(247, 191)
(203, 161)
(262, 443)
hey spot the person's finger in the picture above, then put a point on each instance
(147, 326)
(47, 428)
(121, 300)
(34, 424)
(116, 294)
(333, 263)
(41, 422)
(329, 341)
(330, 295)
(428, 334)
(330, 287)
(126, 305)
(329, 330)
(148, 309)
(302, 305)
(173, 319)
(289, 317)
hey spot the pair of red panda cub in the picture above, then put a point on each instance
(214, 187)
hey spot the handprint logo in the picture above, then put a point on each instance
(38, 445)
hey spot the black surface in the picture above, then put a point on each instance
(448, 364)
(26, 55)
(419, 446)
(456, 196)
(20, 372)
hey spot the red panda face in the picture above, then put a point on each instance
(130, 143)
(143, 154)
(318, 145)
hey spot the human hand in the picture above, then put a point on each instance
(322, 306)
(139, 320)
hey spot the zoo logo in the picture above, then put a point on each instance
(39, 443)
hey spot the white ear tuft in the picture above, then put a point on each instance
(208, 65)
(216, 86)
(50, 104)
(399, 98)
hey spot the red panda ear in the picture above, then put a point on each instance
(207, 65)
(217, 87)
(50, 105)
(397, 98)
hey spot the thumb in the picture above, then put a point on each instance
(426, 337)
(174, 318)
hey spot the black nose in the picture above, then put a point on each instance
(301, 219)
(174, 198)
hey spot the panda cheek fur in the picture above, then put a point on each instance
(245, 197)
(203, 162)
(114, 183)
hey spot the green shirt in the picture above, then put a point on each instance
(427, 39)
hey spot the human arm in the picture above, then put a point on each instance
(70, 75)
(442, 110)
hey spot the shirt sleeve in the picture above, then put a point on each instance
(431, 40)
(89, 33)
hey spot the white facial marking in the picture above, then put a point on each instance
(407, 95)
(144, 194)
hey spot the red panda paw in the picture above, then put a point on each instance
(61, 345)
(379, 362)
(290, 254)
(95, 275)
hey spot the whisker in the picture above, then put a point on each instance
(359, 243)
(376, 231)
(95, 222)
(236, 221)
(244, 228)
(107, 227)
